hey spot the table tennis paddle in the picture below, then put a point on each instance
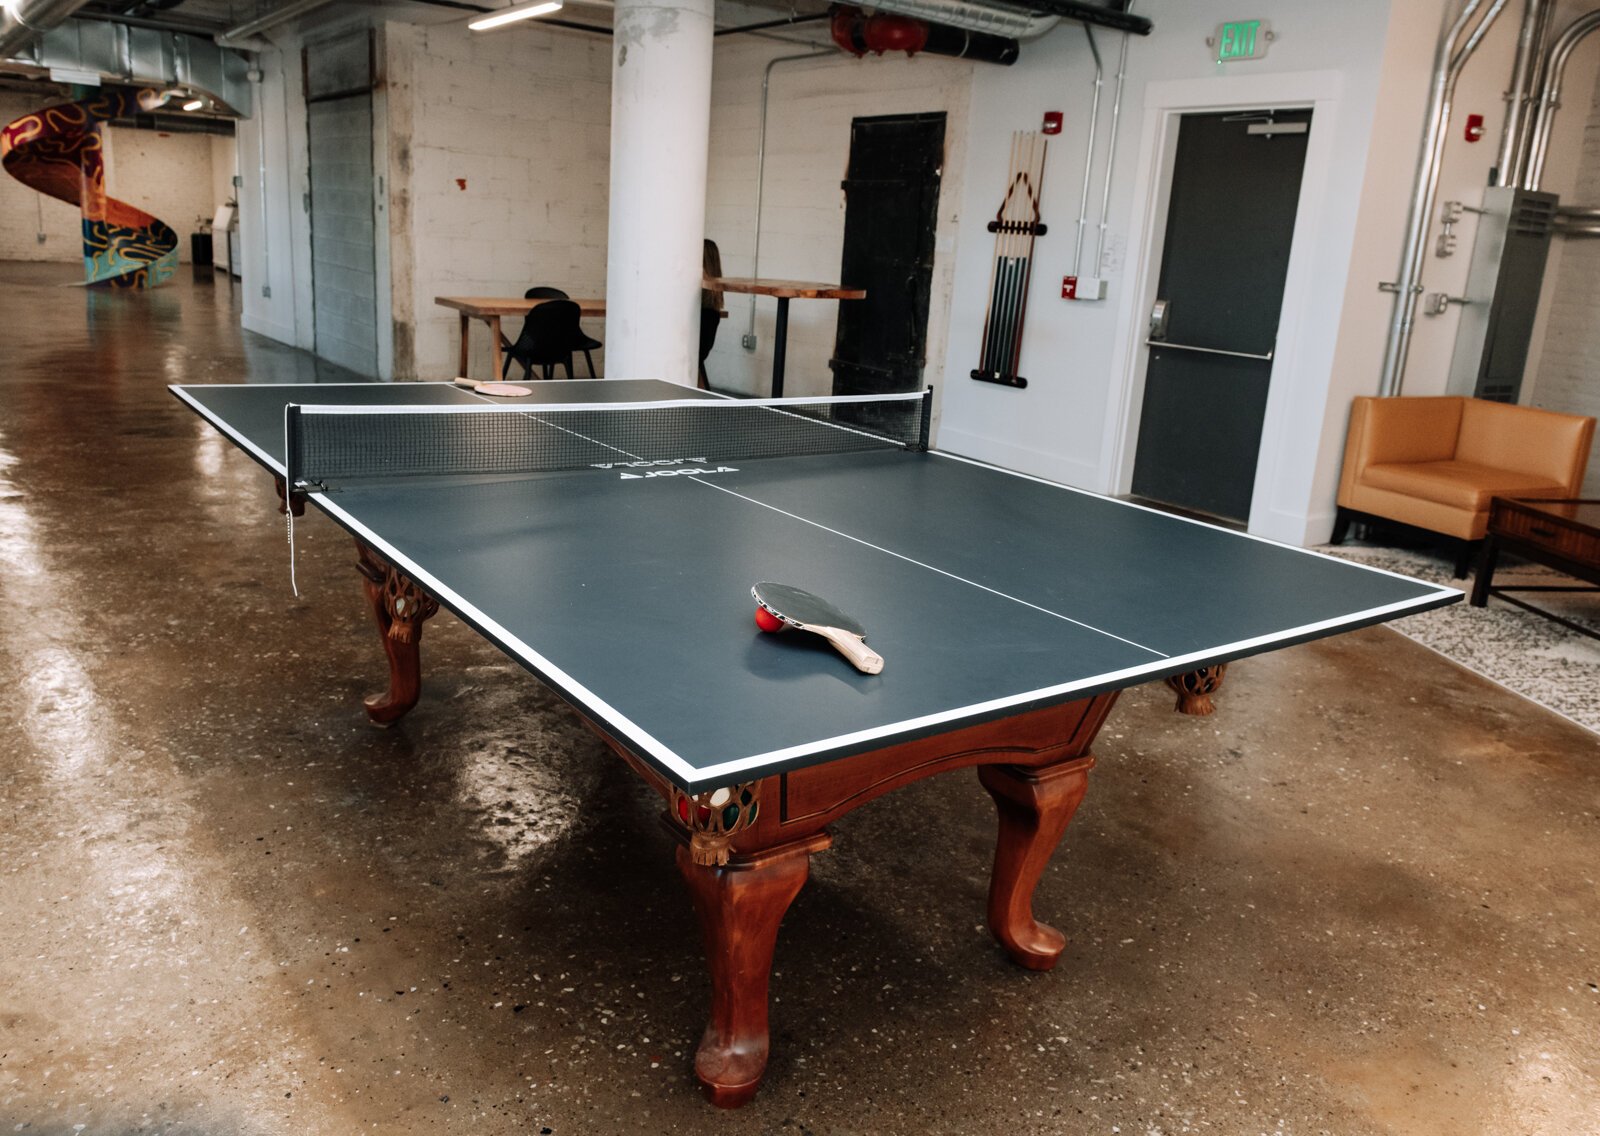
(482, 386)
(796, 608)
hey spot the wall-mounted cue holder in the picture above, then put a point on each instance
(1016, 223)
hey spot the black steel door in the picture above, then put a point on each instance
(1235, 185)
(891, 209)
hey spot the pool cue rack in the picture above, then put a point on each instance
(1016, 224)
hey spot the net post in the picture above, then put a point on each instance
(927, 419)
(292, 458)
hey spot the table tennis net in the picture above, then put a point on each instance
(330, 444)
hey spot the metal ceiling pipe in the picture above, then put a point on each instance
(244, 35)
(995, 18)
(21, 21)
(1550, 93)
(1530, 46)
(1088, 151)
(761, 174)
(1448, 62)
(1111, 150)
(1530, 107)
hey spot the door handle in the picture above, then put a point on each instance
(1267, 358)
(1158, 320)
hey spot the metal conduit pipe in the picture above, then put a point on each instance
(1550, 93)
(1111, 149)
(761, 174)
(1529, 47)
(1530, 106)
(1448, 61)
(1088, 152)
(251, 28)
(999, 19)
(21, 21)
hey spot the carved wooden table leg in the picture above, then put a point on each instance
(1195, 688)
(399, 607)
(1035, 807)
(740, 906)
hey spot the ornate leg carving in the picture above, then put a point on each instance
(1035, 807)
(1195, 688)
(399, 607)
(740, 906)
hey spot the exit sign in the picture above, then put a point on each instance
(1240, 39)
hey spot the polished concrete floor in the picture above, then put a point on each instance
(1360, 899)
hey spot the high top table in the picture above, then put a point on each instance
(783, 291)
(491, 309)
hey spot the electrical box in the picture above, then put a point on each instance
(1502, 293)
(1083, 288)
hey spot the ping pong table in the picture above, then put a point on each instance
(606, 533)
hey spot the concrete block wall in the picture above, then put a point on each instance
(506, 166)
(26, 215)
(1569, 364)
(812, 103)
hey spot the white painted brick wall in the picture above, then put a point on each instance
(167, 175)
(523, 116)
(1569, 365)
(812, 103)
(26, 213)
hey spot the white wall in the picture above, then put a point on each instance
(1077, 419)
(224, 165)
(1375, 254)
(1366, 65)
(167, 175)
(505, 170)
(812, 103)
(1569, 369)
(26, 214)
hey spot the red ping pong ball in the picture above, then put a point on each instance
(766, 620)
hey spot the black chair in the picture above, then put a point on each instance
(546, 339)
(585, 343)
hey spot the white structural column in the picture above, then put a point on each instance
(660, 132)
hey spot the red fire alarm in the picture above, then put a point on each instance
(1069, 287)
(1474, 129)
(1052, 122)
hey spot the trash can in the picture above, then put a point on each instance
(200, 249)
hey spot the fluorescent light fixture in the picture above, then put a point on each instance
(512, 14)
(194, 104)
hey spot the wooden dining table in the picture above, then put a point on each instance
(491, 309)
(783, 291)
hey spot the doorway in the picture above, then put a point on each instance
(1213, 330)
(891, 190)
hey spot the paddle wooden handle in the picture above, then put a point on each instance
(469, 384)
(852, 647)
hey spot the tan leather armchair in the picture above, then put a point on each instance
(1435, 463)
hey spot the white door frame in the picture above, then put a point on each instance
(1165, 103)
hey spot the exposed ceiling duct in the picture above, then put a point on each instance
(858, 33)
(1024, 20)
(989, 16)
(22, 21)
(119, 54)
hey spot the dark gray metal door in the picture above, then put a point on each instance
(1235, 186)
(891, 211)
(344, 276)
